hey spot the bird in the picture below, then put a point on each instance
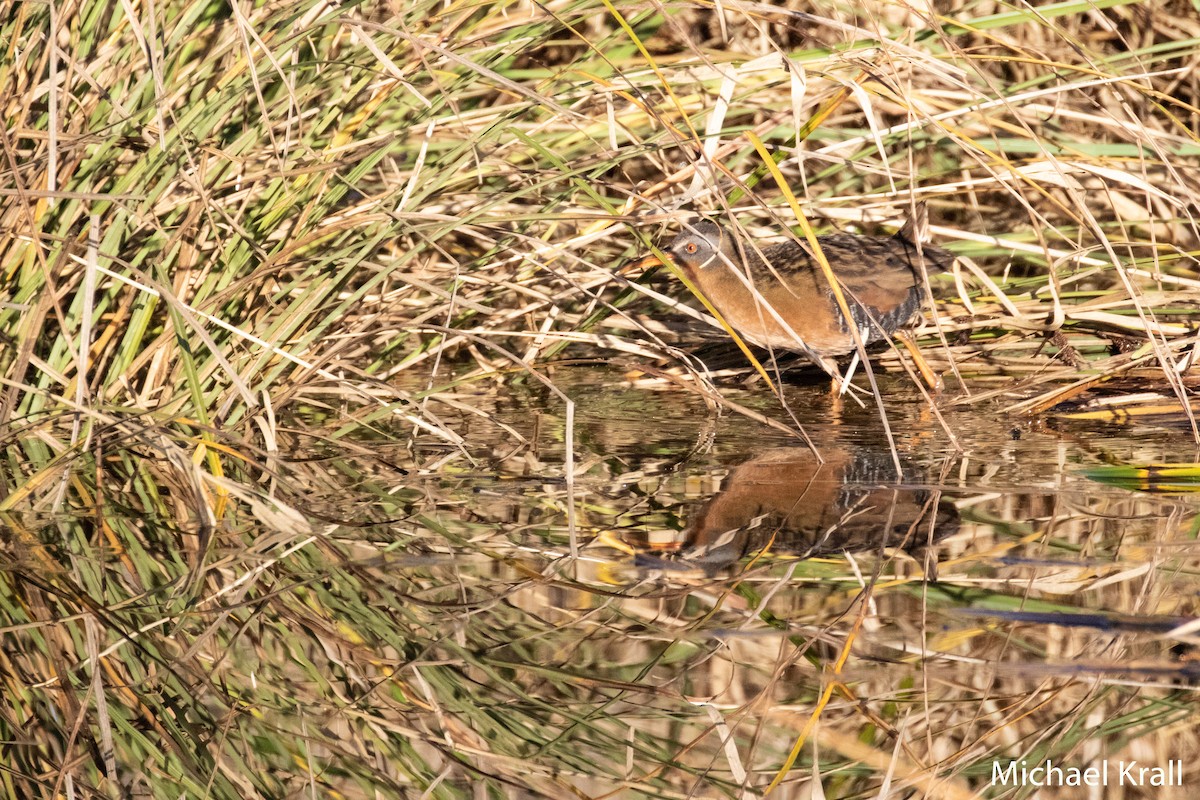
(777, 296)
(844, 500)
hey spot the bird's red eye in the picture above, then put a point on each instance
(691, 247)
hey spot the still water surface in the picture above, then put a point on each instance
(992, 603)
(687, 601)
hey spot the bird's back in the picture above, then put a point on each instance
(881, 275)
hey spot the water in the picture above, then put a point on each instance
(661, 608)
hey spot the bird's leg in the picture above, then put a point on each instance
(840, 386)
(932, 380)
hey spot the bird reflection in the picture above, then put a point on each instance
(789, 501)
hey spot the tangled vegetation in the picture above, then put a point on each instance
(269, 268)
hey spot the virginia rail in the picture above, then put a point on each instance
(777, 296)
(806, 505)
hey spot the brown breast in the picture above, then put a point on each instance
(786, 297)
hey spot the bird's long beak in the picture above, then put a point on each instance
(640, 265)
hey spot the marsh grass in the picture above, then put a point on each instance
(268, 269)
